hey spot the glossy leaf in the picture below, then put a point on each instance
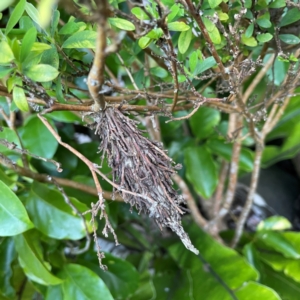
(27, 43)
(289, 39)
(139, 13)
(72, 27)
(203, 122)
(292, 15)
(264, 37)
(277, 4)
(254, 290)
(122, 24)
(193, 60)
(52, 216)
(7, 256)
(15, 16)
(204, 65)
(201, 170)
(224, 261)
(6, 53)
(121, 278)
(20, 99)
(159, 72)
(184, 41)
(214, 3)
(264, 21)
(178, 26)
(279, 243)
(31, 261)
(144, 42)
(251, 42)
(223, 149)
(174, 11)
(81, 283)
(13, 216)
(249, 31)
(82, 39)
(42, 73)
(32, 13)
(274, 223)
(37, 138)
(213, 31)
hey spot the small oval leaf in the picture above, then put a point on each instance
(13, 216)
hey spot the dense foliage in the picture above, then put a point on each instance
(92, 94)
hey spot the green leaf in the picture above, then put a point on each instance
(6, 53)
(65, 116)
(121, 24)
(5, 71)
(225, 262)
(249, 31)
(264, 21)
(121, 278)
(40, 47)
(184, 41)
(27, 43)
(82, 39)
(72, 27)
(274, 223)
(251, 42)
(279, 243)
(214, 3)
(50, 57)
(201, 170)
(32, 13)
(264, 37)
(20, 99)
(159, 72)
(174, 11)
(292, 15)
(140, 13)
(223, 149)
(254, 290)
(204, 65)
(41, 73)
(31, 261)
(52, 216)
(222, 16)
(213, 31)
(178, 26)
(277, 4)
(155, 33)
(286, 287)
(203, 121)
(15, 16)
(37, 138)
(289, 39)
(7, 256)
(13, 216)
(81, 283)
(144, 42)
(193, 60)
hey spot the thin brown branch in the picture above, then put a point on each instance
(44, 178)
(95, 79)
(248, 204)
